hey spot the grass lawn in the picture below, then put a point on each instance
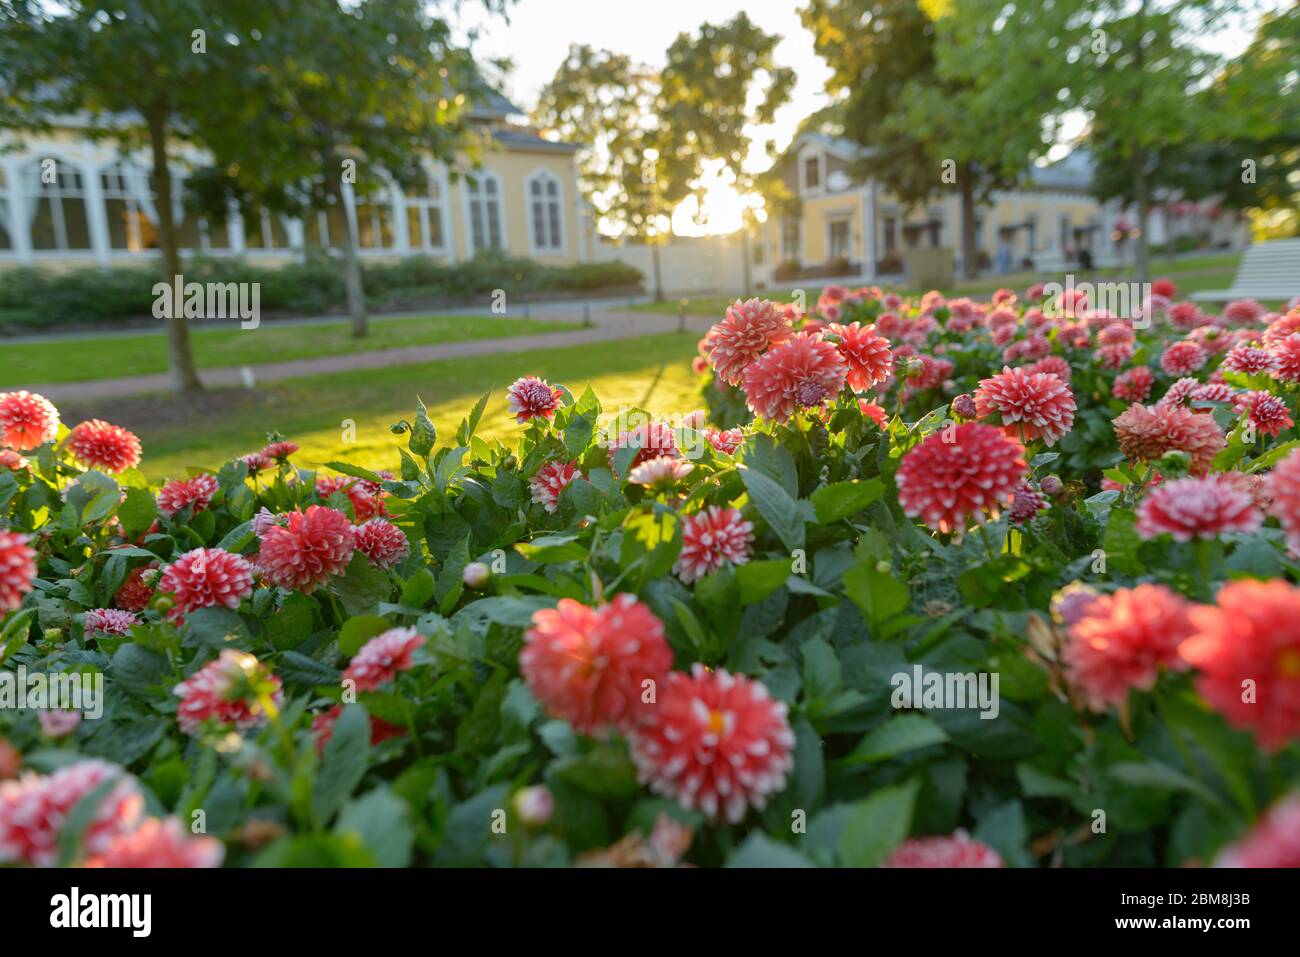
(1214, 271)
(103, 357)
(653, 372)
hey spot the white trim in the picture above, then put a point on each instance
(543, 176)
(482, 175)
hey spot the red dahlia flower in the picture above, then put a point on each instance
(955, 850)
(946, 483)
(593, 666)
(749, 329)
(27, 420)
(182, 493)
(100, 445)
(1197, 508)
(716, 742)
(803, 371)
(17, 569)
(1031, 406)
(532, 398)
(710, 539)
(382, 542)
(1247, 650)
(866, 353)
(159, 843)
(206, 578)
(1121, 641)
(313, 546)
(383, 657)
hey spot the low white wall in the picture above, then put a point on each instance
(687, 266)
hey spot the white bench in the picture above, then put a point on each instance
(1268, 271)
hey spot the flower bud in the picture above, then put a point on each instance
(475, 575)
(1051, 485)
(913, 368)
(963, 407)
(534, 805)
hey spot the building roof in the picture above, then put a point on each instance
(1073, 172)
(493, 106)
(526, 140)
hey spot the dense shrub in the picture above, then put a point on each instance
(882, 622)
(35, 298)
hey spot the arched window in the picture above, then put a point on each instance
(545, 213)
(128, 207)
(56, 205)
(424, 223)
(375, 221)
(486, 230)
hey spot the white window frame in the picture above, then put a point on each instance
(29, 173)
(432, 203)
(545, 177)
(820, 188)
(471, 196)
(797, 222)
(832, 221)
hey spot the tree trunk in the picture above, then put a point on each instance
(180, 360)
(970, 266)
(352, 281)
(1141, 250)
(745, 268)
(658, 270)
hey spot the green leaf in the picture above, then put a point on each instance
(821, 669)
(381, 821)
(469, 425)
(290, 626)
(877, 825)
(363, 586)
(423, 434)
(137, 512)
(80, 818)
(879, 595)
(605, 771)
(898, 735)
(356, 471)
(759, 850)
(778, 509)
(357, 631)
(552, 549)
(418, 589)
(138, 670)
(842, 499)
(344, 763)
(757, 580)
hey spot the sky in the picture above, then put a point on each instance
(539, 33)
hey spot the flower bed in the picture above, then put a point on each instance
(932, 583)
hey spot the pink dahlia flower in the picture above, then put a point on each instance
(1146, 433)
(1286, 358)
(803, 371)
(382, 542)
(955, 850)
(1053, 364)
(662, 472)
(651, 439)
(27, 420)
(313, 546)
(1182, 358)
(322, 726)
(715, 742)
(593, 667)
(17, 569)
(1249, 360)
(1246, 650)
(1267, 413)
(1197, 508)
(1133, 385)
(366, 498)
(1284, 489)
(230, 692)
(207, 578)
(1030, 406)
(159, 843)
(725, 441)
(710, 539)
(866, 353)
(1123, 640)
(551, 479)
(945, 483)
(182, 493)
(33, 810)
(532, 398)
(100, 445)
(749, 329)
(257, 462)
(279, 451)
(1026, 504)
(109, 621)
(1243, 312)
(383, 657)
(58, 723)
(11, 460)
(1274, 841)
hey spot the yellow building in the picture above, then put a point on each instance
(68, 201)
(844, 226)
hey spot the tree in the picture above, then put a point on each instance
(919, 91)
(143, 73)
(649, 135)
(361, 94)
(606, 102)
(1138, 67)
